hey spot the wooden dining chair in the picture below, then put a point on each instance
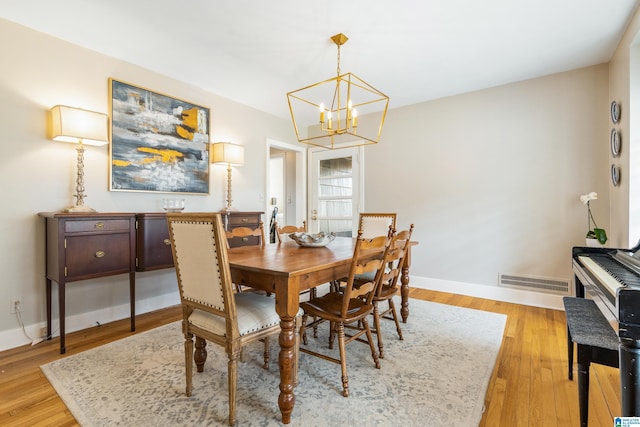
(351, 307)
(211, 310)
(389, 284)
(371, 224)
(247, 235)
(282, 232)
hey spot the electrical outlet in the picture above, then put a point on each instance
(43, 332)
(16, 305)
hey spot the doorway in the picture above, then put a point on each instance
(286, 184)
(335, 190)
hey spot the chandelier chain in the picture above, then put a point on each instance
(338, 59)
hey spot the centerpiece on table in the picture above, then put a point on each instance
(595, 236)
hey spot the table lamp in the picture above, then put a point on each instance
(69, 124)
(231, 155)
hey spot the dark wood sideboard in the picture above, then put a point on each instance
(81, 246)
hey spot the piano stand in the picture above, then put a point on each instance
(629, 352)
(630, 383)
(596, 342)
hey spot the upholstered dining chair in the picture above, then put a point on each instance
(376, 223)
(281, 232)
(211, 310)
(388, 286)
(351, 307)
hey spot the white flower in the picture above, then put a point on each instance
(586, 198)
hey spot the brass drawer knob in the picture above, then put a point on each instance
(99, 225)
(245, 219)
(99, 254)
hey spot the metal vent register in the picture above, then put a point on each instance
(544, 284)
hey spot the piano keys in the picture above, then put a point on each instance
(611, 277)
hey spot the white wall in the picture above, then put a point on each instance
(492, 179)
(38, 174)
(625, 199)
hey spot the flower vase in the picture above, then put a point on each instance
(594, 243)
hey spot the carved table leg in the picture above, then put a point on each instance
(200, 355)
(287, 341)
(404, 292)
(404, 287)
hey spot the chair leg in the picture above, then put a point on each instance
(332, 334)
(392, 308)
(374, 354)
(313, 293)
(232, 373)
(188, 363)
(343, 359)
(296, 349)
(377, 327)
(266, 352)
(303, 329)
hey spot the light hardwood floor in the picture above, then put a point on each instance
(529, 386)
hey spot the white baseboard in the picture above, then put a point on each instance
(15, 337)
(516, 296)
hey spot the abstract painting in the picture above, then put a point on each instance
(158, 143)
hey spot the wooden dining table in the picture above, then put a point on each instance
(285, 270)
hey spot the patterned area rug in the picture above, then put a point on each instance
(436, 376)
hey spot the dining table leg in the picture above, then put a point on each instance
(287, 308)
(404, 287)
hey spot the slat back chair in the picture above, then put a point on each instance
(371, 224)
(282, 232)
(389, 283)
(211, 310)
(245, 234)
(376, 224)
(351, 307)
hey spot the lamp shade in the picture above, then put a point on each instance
(227, 153)
(69, 124)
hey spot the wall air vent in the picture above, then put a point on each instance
(539, 284)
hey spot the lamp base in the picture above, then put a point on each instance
(80, 209)
(228, 209)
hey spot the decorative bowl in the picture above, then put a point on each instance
(312, 240)
(173, 205)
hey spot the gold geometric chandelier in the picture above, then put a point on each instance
(344, 111)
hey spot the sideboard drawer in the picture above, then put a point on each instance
(235, 219)
(97, 255)
(97, 225)
(244, 219)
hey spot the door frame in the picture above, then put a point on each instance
(358, 201)
(301, 176)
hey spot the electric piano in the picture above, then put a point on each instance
(611, 277)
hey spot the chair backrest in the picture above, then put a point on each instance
(368, 260)
(394, 258)
(376, 224)
(281, 232)
(245, 233)
(202, 266)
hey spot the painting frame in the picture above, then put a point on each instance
(159, 143)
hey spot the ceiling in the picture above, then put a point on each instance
(254, 52)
